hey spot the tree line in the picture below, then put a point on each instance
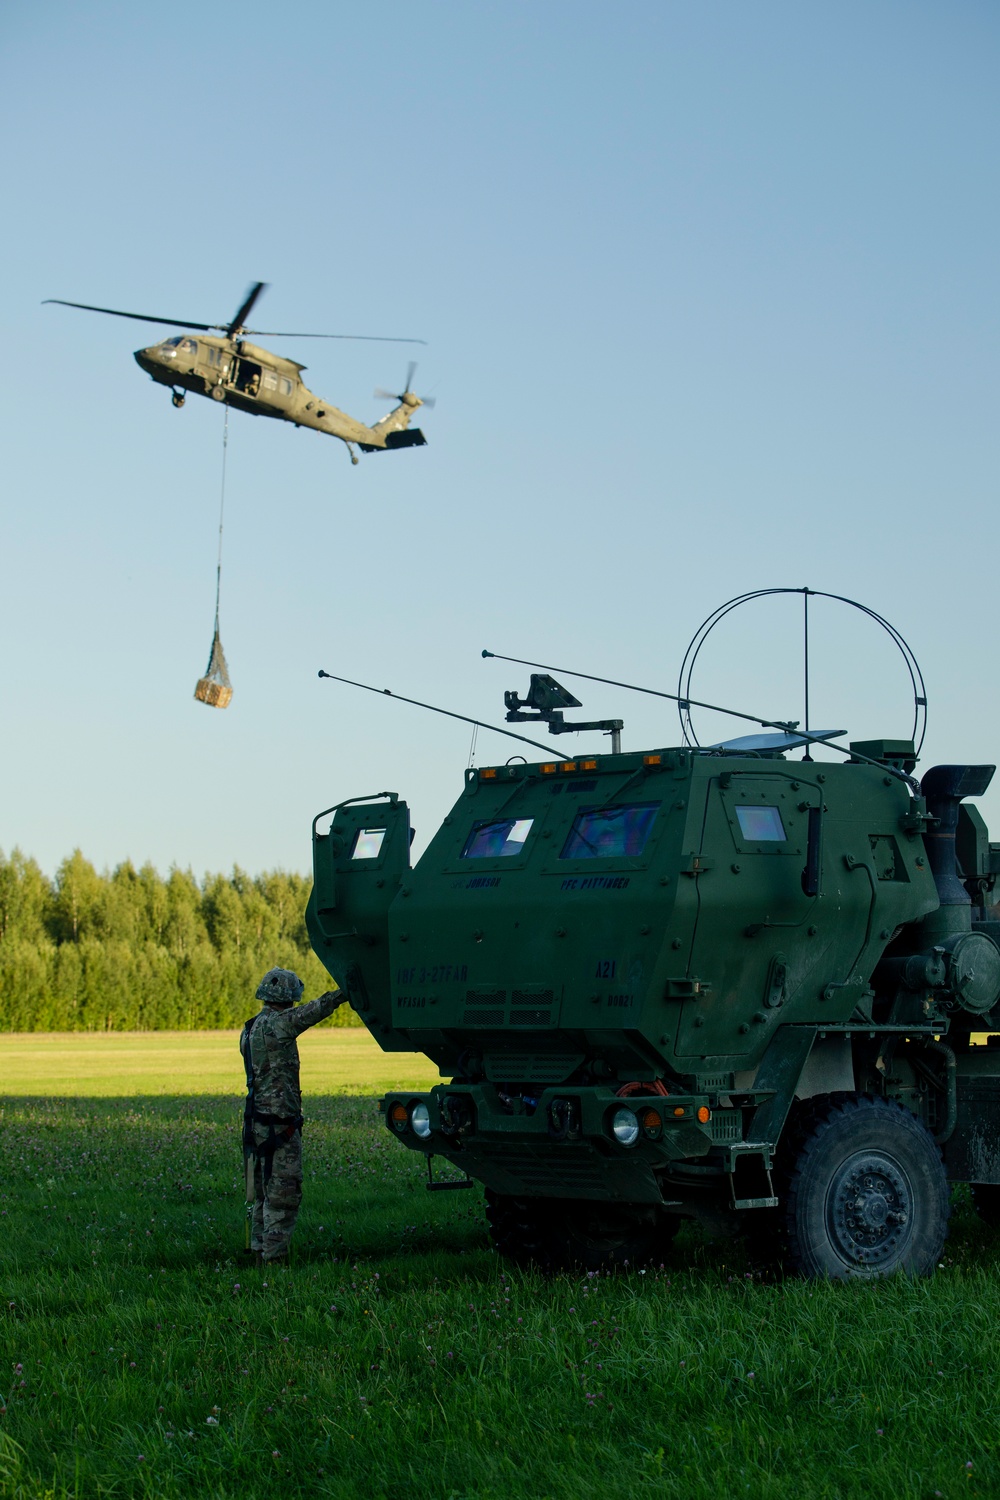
(131, 950)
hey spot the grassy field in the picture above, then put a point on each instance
(397, 1357)
(118, 1063)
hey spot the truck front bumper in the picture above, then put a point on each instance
(562, 1143)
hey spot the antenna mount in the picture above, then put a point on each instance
(546, 699)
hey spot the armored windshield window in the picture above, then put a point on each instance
(368, 843)
(497, 840)
(189, 346)
(761, 825)
(610, 832)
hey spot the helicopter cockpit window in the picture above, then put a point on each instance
(169, 347)
(761, 825)
(610, 832)
(189, 346)
(497, 840)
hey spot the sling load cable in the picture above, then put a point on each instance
(215, 688)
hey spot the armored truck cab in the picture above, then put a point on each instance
(685, 983)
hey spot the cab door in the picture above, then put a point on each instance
(755, 903)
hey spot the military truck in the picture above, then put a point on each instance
(713, 984)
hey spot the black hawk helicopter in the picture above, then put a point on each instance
(223, 365)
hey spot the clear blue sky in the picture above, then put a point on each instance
(710, 292)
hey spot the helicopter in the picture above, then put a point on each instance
(222, 365)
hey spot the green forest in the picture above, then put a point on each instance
(131, 950)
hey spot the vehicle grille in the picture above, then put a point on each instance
(485, 997)
(530, 1067)
(531, 997)
(530, 1017)
(727, 1126)
(482, 1018)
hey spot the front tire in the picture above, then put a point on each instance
(218, 393)
(864, 1191)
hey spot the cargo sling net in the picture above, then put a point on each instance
(215, 688)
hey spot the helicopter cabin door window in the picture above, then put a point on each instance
(274, 386)
(217, 360)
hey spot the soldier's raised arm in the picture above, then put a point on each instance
(304, 1016)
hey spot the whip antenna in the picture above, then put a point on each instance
(449, 713)
(784, 725)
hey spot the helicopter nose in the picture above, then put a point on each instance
(142, 359)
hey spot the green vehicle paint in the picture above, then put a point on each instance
(774, 967)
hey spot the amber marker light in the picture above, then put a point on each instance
(652, 760)
(651, 1123)
(567, 765)
(398, 1117)
(548, 770)
(489, 774)
(588, 765)
(704, 1114)
(680, 1110)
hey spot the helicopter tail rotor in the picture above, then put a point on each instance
(406, 396)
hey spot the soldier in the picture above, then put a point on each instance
(272, 1122)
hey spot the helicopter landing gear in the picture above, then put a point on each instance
(218, 393)
(354, 456)
(177, 397)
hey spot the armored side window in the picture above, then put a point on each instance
(497, 840)
(761, 825)
(189, 346)
(270, 380)
(610, 832)
(367, 843)
(284, 385)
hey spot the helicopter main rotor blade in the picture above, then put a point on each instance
(369, 338)
(116, 312)
(245, 307)
(411, 370)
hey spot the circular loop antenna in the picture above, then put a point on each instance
(919, 727)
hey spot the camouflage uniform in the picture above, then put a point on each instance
(272, 1138)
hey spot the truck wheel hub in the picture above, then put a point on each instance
(868, 1209)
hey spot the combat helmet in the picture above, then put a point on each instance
(280, 987)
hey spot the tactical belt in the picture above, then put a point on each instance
(279, 1133)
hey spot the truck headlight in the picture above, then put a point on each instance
(420, 1119)
(625, 1127)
